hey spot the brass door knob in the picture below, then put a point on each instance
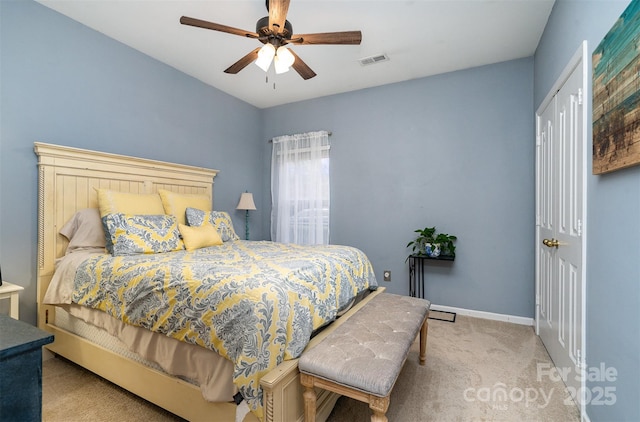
(551, 243)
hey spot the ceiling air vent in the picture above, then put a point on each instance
(373, 59)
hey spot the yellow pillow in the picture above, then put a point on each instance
(176, 203)
(199, 237)
(113, 202)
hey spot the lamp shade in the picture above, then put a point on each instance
(246, 202)
(284, 59)
(265, 56)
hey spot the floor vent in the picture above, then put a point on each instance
(373, 59)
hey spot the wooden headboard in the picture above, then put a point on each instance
(67, 182)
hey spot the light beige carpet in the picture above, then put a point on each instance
(477, 370)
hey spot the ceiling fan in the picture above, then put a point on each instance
(275, 32)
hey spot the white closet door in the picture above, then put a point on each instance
(560, 215)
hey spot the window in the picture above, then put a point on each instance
(300, 189)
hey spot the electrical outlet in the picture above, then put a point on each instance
(387, 275)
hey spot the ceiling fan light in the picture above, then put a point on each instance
(265, 56)
(286, 57)
(280, 65)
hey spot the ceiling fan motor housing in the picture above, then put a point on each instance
(262, 29)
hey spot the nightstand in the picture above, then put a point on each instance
(21, 369)
(11, 291)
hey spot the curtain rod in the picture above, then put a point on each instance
(271, 140)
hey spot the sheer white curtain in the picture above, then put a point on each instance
(300, 188)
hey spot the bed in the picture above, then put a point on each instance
(69, 181)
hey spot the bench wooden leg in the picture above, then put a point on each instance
(309, 398)
(423, 341)
(379, 407)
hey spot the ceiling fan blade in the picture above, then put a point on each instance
(185, 20)
(345, 37)
(243, 62)
(301, 67)
(278, 15)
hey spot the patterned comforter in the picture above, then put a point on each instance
(255, 303)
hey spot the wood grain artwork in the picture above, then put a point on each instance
(616, 95)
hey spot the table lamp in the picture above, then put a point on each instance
(246, 203)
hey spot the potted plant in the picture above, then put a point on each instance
(447, 248)
(425, 236)
(433, 244)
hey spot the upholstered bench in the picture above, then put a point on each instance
(363, 357)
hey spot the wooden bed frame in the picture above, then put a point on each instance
(68, 178)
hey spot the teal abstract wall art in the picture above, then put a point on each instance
(616, 94)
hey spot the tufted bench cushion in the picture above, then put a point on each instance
(367, 352)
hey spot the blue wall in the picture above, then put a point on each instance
(455, 151)
(613, 227)
(64, 83)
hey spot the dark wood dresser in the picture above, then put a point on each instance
(21, 370)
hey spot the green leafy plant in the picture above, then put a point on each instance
(446, 244)
(429, 235)
(426, 235)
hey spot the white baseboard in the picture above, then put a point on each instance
(485, 315)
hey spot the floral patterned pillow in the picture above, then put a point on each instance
(141, 234)
(220, 220)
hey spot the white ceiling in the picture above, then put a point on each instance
(421, 38)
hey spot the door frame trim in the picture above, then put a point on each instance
(580, 58)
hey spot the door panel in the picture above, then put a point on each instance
(569, 231)
(545, 218)
(560, 216)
